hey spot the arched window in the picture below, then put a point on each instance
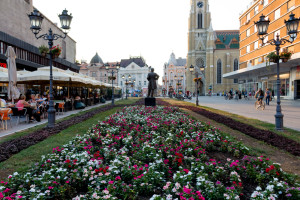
(200, 20)
(235, 68)
(219, 71)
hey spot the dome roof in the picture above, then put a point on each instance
(96, 59)
(172, 60)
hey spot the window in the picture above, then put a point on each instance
(255, 10)
(248, 49)
(248, 32)
(255, 28)
(219, 71)
(256, 45)
(248, 17)
(121, 83)
(104, 74)
(144, 83)
(277, 14)
(87, 74)
(200, 20)
(265, 2)
(140, 83)
(235, 68)
(290, 5)
(94, 74)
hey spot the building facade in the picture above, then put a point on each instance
(137, 69)
(15, 31)
(212, 53)
(97, 69)
(174, 76)
(255, 72)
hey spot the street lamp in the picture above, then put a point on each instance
(36, 20)
(292, 29)
(126, 82)
(192, 68)
(178, 78)
(112, 77)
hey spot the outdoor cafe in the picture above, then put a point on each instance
(71, 91)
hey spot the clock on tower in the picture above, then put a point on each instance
(200, 4)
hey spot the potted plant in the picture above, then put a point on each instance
(197, 79)
(178, 84)
(112, 78)
(44, 50)
(273, 57)
(56, 51)
(285, 56)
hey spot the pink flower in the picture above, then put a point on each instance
(1, 195)
(6, 190)
(186, 171)
(118, 178)
(50, 187)
(111, 182)
(67, 181)
(187, 190)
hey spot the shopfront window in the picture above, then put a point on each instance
(284, 87)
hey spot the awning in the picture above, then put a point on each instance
(263, 69)
(3, 75)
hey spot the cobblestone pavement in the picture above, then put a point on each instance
(290, 109)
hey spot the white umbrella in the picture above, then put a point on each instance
(13, 92)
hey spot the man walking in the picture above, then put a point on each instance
(268, 96)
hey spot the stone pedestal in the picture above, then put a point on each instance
(150, 101)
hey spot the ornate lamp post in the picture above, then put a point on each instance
(112, 77)
(192, 68)
(292, 29)
(126, 82)
(36, 20)
(178, 78)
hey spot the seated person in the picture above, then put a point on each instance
(39, 99)
(22, 103)
(77, 98)
(32, 101)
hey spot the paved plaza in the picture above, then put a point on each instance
(290, 109)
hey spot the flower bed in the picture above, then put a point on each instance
(9, 148)
(151, 153)
(269, 137)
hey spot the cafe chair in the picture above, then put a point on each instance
(5, 116)
(20, 114)
(61, 108)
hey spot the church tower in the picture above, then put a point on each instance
(198, 36)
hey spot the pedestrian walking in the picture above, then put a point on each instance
(268, 96)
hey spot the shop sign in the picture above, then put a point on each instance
(264, 78)
(3, 65)
(241, 82)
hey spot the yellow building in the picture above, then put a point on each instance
(212, 53)
(254, 71)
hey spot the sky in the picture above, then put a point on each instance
(153, 29)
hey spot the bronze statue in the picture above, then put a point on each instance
(152, 78)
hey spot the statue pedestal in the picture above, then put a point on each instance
(150, 101)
